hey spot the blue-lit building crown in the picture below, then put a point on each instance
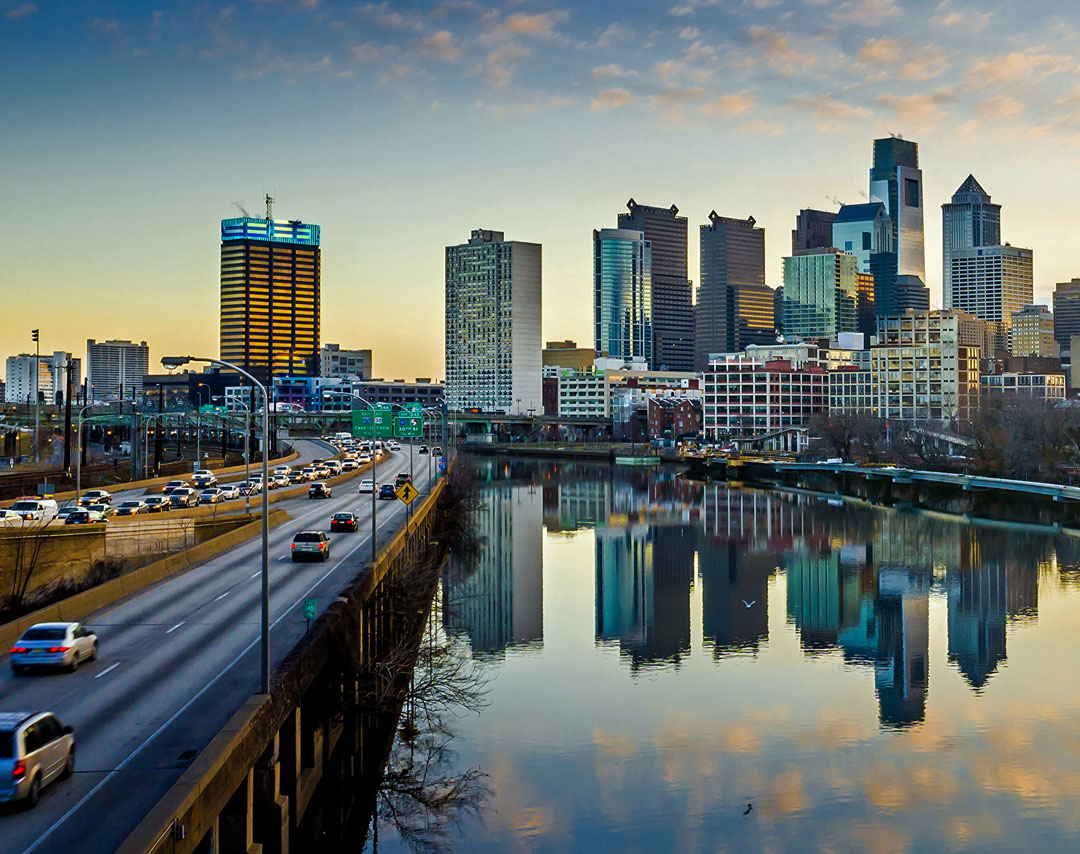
(270, 230)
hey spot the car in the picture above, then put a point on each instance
(322, 471)
(436, 451)
(387, 491)
(332, 466)
(296, 477)
(320, 490)
(156, 503)
(10, 519)
(314, 545)
(211, 496)
(402, 478)
(367, 485)
(365, 458)
(84, 516)
(171, 485)
(309, 473)
(35, 509)
(61, 514)
(229, 491)
(250, 487)
(104, 509)
(344, 522)
(393, 446)
(185, 496)
(282, 470)
(63, 645)
(131, 508)
(203, 479)
(95, 496)
(423, 449)
(35, 749)
(279, 479)
(349, 464)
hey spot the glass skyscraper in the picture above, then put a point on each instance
(270, 283)
(896, 182)
(819, 294)
(969, 221)
(622, 294)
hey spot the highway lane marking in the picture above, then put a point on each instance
(131, 756)
(106, 670)
(222, 596)
(174, 628)
(257, 574)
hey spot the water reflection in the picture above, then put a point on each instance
(667, 652)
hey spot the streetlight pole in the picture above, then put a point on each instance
(178, 361)
(78, 462)
(35, 334)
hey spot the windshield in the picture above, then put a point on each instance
(307, 537)
(44, 634)
(345, 517)
(130, 504)
(24, 505)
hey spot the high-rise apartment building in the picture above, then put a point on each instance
(622, 294)
(493, 324)
(1032, 333)
(270, 291)
(335, 362)
(672, 303)
(19, 386)
(1067, 313)
(992, 282)
(896, 182)
(813, 230)
(115, 369)
(820, 294)
(734, 305)
(970, 220)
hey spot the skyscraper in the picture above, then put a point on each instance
(1066, 312)
(992, 282)
(813, 230)
(896, 182)
(734, 305)
(115, 369)
(820, 294)
(270, 291)
(970, 220)
(493, 324)
(622, 294)
(672, 308)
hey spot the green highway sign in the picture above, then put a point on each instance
(383, 421)
(363, 424)
(408, 427)
(309, 609)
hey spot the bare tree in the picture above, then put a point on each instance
(26, 543)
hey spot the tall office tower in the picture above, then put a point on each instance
(778, 308)
(1033, 333)
(672, 303)
(270, 285)
(1066, 311)
(115, 369)
(20, 387)
(813, 230)
(896, 182)
(493, 325)
(820, 294)
(865, 316)
(911, 293)
(622, 294)
(970, 220)
(734, 305)
(992, 282)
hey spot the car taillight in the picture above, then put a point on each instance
(322, 546)
(20, 649)
(294, 545)
(58, 649)
(19, 770)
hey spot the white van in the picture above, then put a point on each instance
(36, 509)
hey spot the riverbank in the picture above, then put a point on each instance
(607, 452)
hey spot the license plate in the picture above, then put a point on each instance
(37, 651)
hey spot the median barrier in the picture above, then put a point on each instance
(79, 606)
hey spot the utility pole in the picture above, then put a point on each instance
(157, 430)
(35, 335)
(67, 419)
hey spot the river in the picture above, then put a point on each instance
(667, 665)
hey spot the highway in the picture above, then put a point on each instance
(176, 661)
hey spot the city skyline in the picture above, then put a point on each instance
(170, 123)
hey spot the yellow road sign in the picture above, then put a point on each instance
(407, 494)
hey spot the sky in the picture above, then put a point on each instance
(130, 129)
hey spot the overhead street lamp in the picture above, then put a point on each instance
(178, 361)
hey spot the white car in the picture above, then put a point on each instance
(393, 446)
(211, 496)
(10, 519)
(283, 470)
(230, 491)
(54, 645)
(367, 485)
(36, 509)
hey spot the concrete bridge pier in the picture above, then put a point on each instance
(271, 805)
(235, 825)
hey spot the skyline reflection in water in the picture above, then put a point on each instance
(687, 666)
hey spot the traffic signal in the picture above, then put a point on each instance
(34, 335)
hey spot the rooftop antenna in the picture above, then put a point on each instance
(269, 207)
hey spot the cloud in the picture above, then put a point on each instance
(921, 110)
(828, 112)
(887, 51)
(728, 106)
(908, 61)
(501, 63)
(680, 10)
(611, 99)
(540, 25)
(999, 107)
(759, 126)
(24, 10)
(676, 97)
(612, 34)
(864, 13)
(777, 49)
(611, 70)
(367, 52)
(689, 33)
(970, 19)
(385, 16)
(440, 44)
(1024, 66)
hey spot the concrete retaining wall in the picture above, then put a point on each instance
(81, 605)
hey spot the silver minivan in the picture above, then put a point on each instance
(35, 749)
